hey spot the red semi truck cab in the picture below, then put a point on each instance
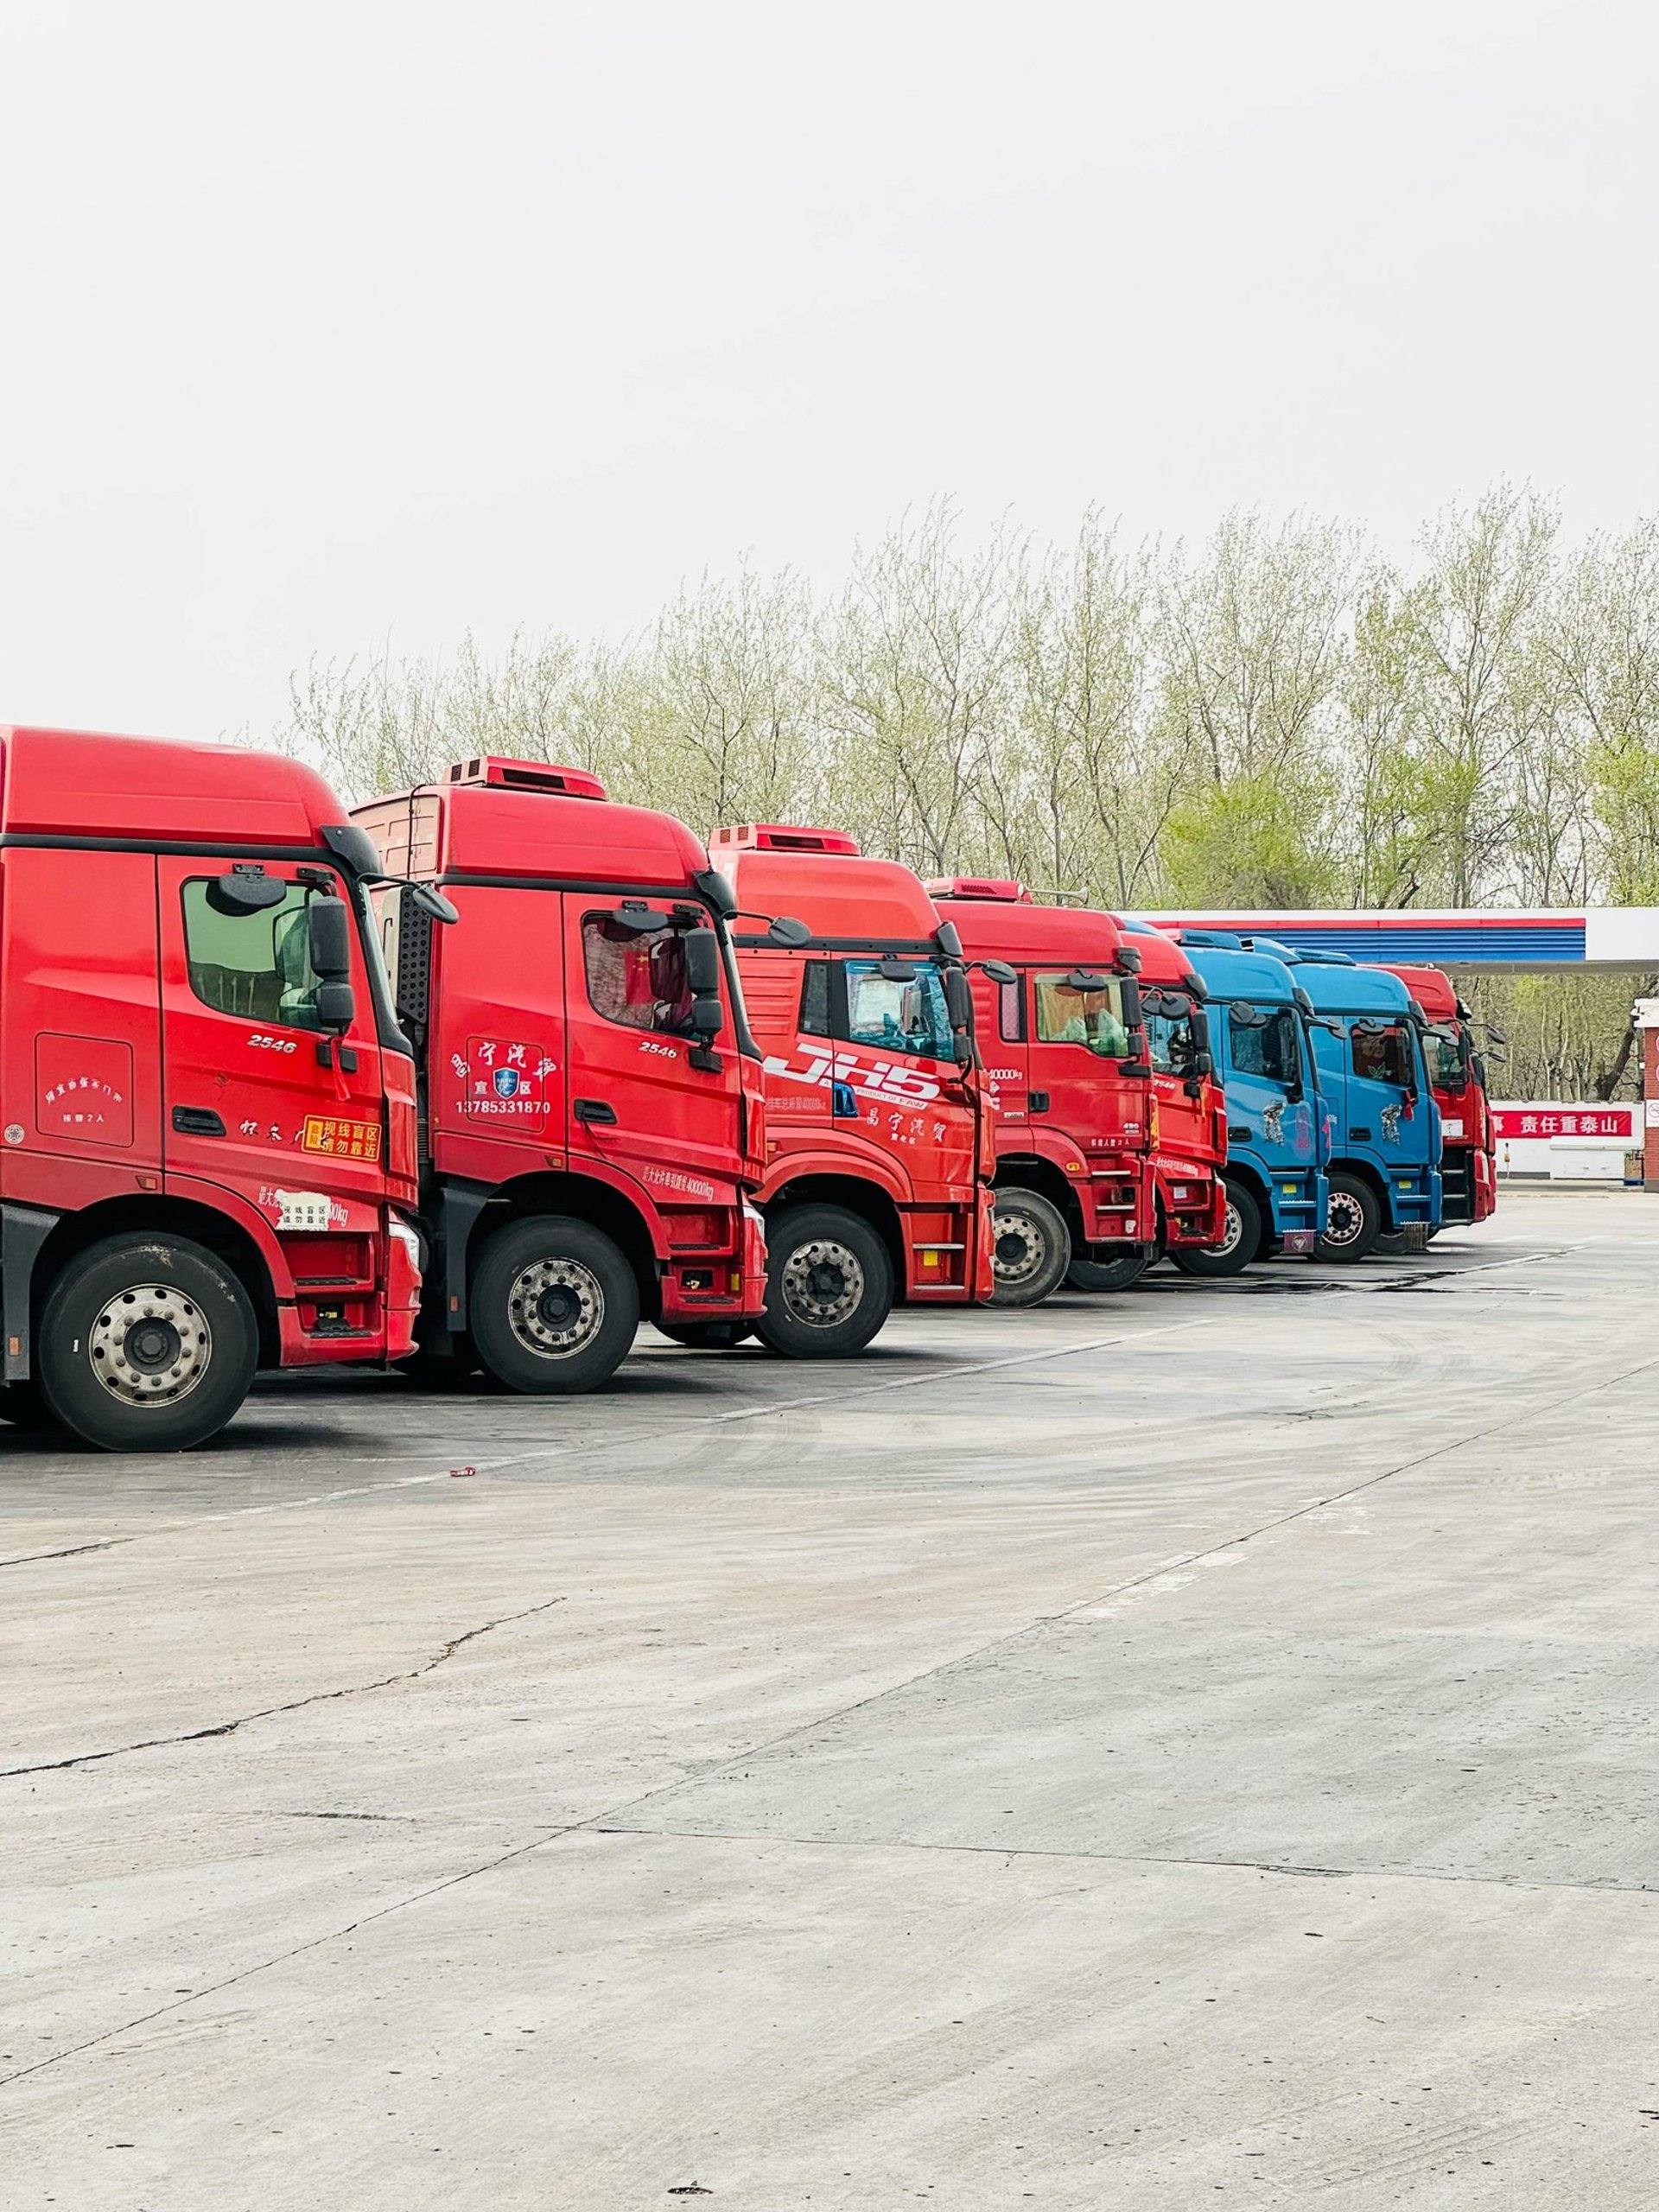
(1056, 1028)
(593, 1107)
(1468, 1141)
(207, 1108)
(880, 1145)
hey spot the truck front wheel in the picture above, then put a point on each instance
(1355, 1221)
(1030, 1248)
(147, 1344)
(1239, 1245)
(553, 1305)
(828, 1283)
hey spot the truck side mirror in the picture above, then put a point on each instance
(1204, 1064)
(1128, 960)
(433, 904)
(787, 930)
(897, 971)
(959, 999)
(1085, 979)
(328, 924)
(334, 1005)
(1247, 1014)
(1129, 993)
(635, 914)
(707, 1017)
(702, 964)
(999, 972)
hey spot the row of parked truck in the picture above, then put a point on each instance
(480, 1075)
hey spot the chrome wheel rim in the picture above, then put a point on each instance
(1020, 1250)
(150, 1346)
(822, 1283)
(1347, 1218)
(555, 1308)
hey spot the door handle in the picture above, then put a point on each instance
(197, 1122)
(1359, 1136)
(593, 1110)
(1038, 1100)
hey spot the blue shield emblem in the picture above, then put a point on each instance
(506, 1082)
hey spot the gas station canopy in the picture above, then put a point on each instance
(1541, 940)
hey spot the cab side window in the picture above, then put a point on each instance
(1383, 1056)
(1268, 1050)
(1011, 1011)
(255, 965)
(1094, 1019)
(636, 977)
(900, 1017)
(1169, 1044)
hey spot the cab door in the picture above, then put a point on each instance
(636, 1097)
(256, 1096)
(1268, 1104)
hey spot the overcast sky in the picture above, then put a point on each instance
(327, 323)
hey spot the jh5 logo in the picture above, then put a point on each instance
(879, 1078)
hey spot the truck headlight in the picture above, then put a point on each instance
(411, 1240)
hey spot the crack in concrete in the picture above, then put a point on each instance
(69, 1551)
(294, 1704)
(298, 1950)
(1288, 1869)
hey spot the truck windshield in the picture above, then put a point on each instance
(1444, 1051)
(910, 1017)
(1270, 1050)
(1091, 1018)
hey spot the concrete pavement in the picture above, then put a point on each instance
(1190, 1746)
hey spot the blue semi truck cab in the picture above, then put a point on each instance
(1384, 1155)
(1276, 1131)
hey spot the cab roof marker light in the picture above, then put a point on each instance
(783, 837)
(496, 770)
(1006, 890)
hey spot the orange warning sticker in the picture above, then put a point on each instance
(342, 1140)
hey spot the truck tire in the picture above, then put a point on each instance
(828, 1283)
(553, 1307)
(1355, 1222)
(147, 1342)
(1236, 1248)
(1031, 1247)
(1107, 1275)
(706, 1336)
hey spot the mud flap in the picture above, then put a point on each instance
(1298, 1240)
(24, 1230)
(1413, 1237)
